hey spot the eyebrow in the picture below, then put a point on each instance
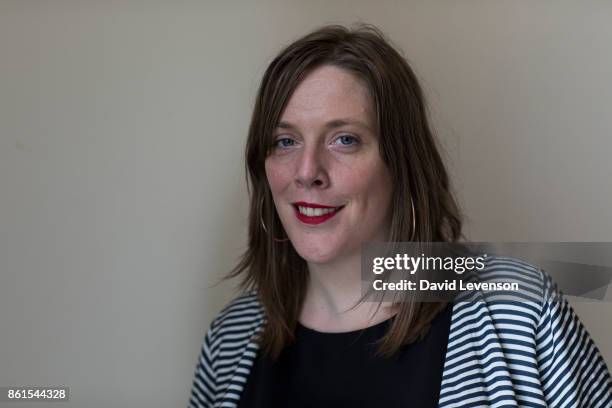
(329, 125)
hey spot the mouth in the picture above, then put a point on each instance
(310, 213)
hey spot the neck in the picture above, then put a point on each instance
(332, 298)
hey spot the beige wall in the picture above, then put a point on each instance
(121, 183)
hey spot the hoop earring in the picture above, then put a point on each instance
(413, 219)
(263, 224)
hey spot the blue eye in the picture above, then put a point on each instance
(284, 142)
(346, 140)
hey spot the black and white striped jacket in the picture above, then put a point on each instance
(517, 354)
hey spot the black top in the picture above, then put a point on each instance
(340, 369)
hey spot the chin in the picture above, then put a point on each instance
(320, 252)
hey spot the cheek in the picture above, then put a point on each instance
(371, 186)
(278, 175)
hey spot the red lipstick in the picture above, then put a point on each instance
(314, 219)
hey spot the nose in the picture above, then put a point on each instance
(311, 171)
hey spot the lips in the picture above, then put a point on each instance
(313, 213)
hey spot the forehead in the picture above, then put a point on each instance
(329, 93)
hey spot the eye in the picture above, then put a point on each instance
(346, 140)
(284, 142)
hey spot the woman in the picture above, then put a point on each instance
(339, 153)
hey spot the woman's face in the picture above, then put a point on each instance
(330, 186)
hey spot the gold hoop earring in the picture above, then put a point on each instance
(263, 224)
(413, 220)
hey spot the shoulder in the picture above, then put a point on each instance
(534, 340)
(507, 292)
(501, 268)
(227, 346)
(511, 279)
(242, 315)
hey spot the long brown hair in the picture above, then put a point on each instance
(270, 264)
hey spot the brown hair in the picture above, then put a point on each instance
(271, 265)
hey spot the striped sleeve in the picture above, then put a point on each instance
(227, 354)
(572, 371)
(203, 388)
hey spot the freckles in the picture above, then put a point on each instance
(372, 187)
(278, 175)
(365, 173)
